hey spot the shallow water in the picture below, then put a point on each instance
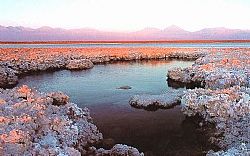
(162, 132)
(177, 45)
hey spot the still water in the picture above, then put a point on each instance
(161, 132)
(109, 45)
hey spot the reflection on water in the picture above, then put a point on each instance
(163, 132)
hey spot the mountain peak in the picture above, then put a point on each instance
(173, 32)
(45, 28)
(174, 28)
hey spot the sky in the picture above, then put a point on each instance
(126, 15)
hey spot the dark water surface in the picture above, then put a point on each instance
(162, 132)
(177, 45)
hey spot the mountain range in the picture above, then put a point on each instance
(19, 34)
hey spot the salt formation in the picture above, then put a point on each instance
(119, 150)
(79, 64)
(14, 62)
(241, 150)
(154, 102)
(228, 108)
(33, 123)
(8, 77)
(187, 55)
(216, 70)
(224, 100)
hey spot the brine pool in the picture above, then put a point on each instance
(156, 133)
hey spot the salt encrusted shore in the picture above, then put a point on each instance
(217, 70)
(224, 100)
(48, 123)
(15, 62)
(33, 123)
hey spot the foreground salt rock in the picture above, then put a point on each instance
(33, 123)
(229, 110)
(119, 150)
(59, 98)
(220, 104)
(241, 150)
(154, 102)
(79, 64)
(224, 100)
(218, 70)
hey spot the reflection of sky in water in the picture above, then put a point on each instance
(162, 131)
(85, 86)
(81, 45)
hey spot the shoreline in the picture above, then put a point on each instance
(223, 100)
(130, 42)
(211, 66)
(17, 61)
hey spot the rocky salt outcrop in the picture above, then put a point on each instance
(8, 77)
(32, 125)
(216, 70)
(27, 60)
(48, 124)
(178, 74)
(59, 98)
(119, 150)
(224, 100)
(184, 76)
(187, 55)
(241, 150)
(10, 70)
(79, 64)
(219, 104)
(154, 102)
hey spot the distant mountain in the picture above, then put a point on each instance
(173, 32)
(222, 33)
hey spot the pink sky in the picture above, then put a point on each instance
(126, 15)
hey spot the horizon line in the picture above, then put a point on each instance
(124, 42)
(122, 31)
